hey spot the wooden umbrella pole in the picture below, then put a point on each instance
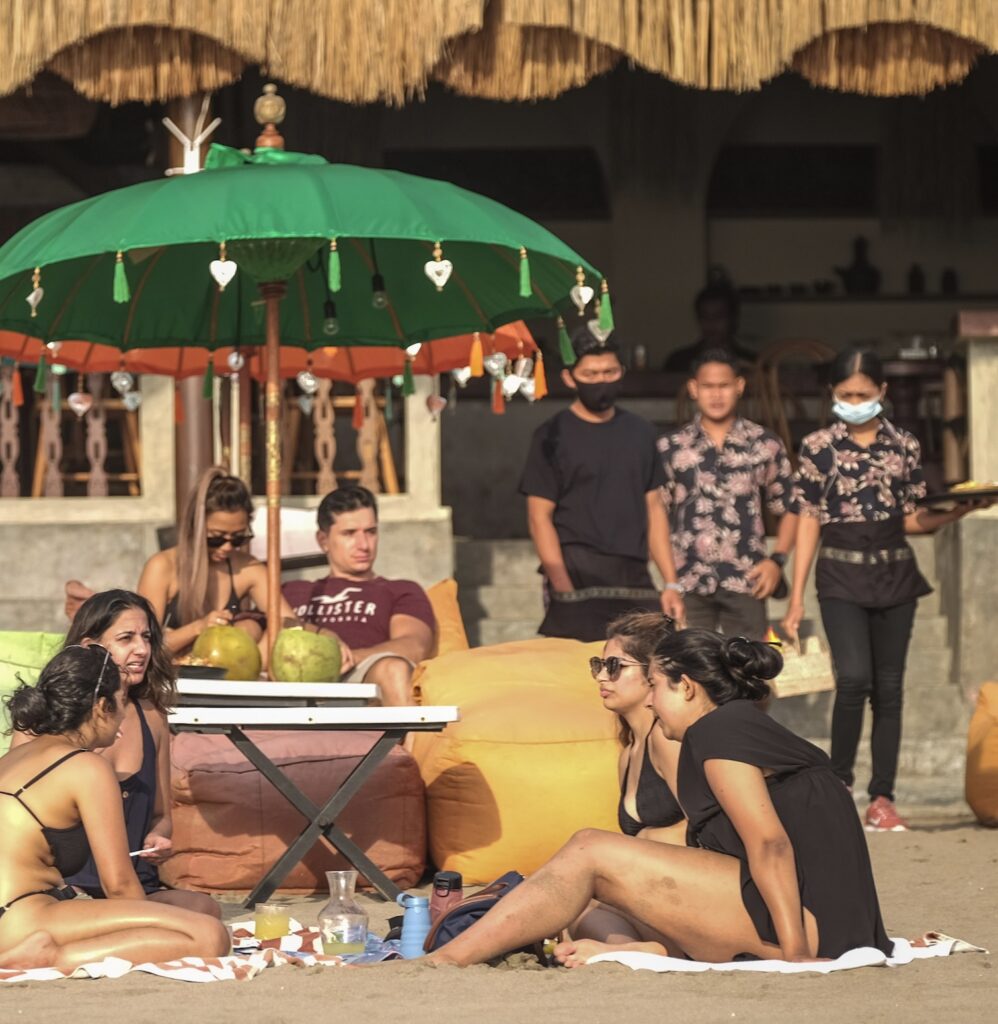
(273, 292)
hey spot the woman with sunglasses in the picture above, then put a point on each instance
(123, 624)
(59, 805)
(648, 808)
(208, 579)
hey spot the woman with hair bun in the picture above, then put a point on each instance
(60, 804)
(776, 864)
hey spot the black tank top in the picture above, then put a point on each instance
(69, 846)
(171, 616)
(656, 805)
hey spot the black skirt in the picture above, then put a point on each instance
(869, 564)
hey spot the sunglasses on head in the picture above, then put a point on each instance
(613, 666)
(100, 675)
(237, 540)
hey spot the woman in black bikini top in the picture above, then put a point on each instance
(51, 818)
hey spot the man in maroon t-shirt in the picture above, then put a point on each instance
(387, 625)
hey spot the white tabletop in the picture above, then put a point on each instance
(236, 690)
(329, 717)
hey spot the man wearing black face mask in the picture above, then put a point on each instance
(592, 483)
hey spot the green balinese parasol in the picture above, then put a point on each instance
(206, 260)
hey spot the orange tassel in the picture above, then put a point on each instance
(498, 398)
(475, 358)
(178, 406)
(358, 412)
(17, 388)
(540, 380)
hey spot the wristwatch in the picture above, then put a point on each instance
(779, 558)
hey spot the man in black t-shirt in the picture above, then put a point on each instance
(592, 483)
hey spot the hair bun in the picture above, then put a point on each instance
(750, 663)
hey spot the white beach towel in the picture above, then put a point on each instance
(932, 944)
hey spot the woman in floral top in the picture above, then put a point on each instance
(856, 491)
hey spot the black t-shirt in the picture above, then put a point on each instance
(597, 474)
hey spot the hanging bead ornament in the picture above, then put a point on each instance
(122, 381)
(581, 294)
(523, 366)
(37, 291)
(529, 390)
(223, 270)
(307, 381)
(53, 347)
(461, 376)
(131, 400)
(413, 350)
(235, 361)
(495, 364)
(438, 270)
(511, 383)
(598, 332)
(398, 380)
(436, 405)
(80, 401)
(305, 403)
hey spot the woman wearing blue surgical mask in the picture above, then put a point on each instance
(856, 491)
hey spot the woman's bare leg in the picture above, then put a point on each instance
(65, 935)
(690, 897)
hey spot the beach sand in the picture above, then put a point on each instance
(942, 877)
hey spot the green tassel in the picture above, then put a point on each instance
(335, 276)
(56, 393)
(389, 402)
(408, 384)
(208, 386)
(565, 349)
(122, 292)
(39, 386)
(525, 290)
(605, 310)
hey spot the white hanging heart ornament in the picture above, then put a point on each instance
(581, 295)
(599, 333)
(461, 375)
(122, 381)
(495, 363)
(235, 361)
(528, 389)
(305, 404)
(307, 382)
(80, 402)
(438, 271)
(34, 298)
(511, 384)
(131, 400)
(436, 404)
(223, 271)
(523, 367)
(53, 347)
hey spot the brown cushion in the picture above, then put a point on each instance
(230, 824)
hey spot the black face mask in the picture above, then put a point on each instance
(598, 397)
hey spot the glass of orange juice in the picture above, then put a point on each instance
(271, 921)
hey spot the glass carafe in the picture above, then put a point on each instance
(342, 922)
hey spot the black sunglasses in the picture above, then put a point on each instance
(237, 540)
(613, 666)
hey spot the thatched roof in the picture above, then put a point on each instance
(388, 50)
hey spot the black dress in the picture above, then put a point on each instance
(817, 812)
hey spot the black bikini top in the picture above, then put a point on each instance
(656, 805)
(70, 847)
(171, 616)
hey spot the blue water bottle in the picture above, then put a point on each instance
(415, 924)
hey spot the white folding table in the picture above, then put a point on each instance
(229, 708)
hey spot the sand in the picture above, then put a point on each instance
(943, 876)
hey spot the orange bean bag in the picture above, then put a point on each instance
(450, 633)
(230, 824)
(533, 759)
(981, 784)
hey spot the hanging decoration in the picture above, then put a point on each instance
(235, 361)
(436, 404)
(461, 376)
(16, 388)
(565, 349)
(408, 384)
(581, 294)
(334, 274)
(80, 401)
(495, 363)
(605, 308)
(208, 381)
(53, 347)
(305, 403)
(40, 374)
(307, 380)
(540, 378)
(525, 287)
(56, 372)
(529, 390)
(438, 270)
(223, 270)
(597, 331)
(37, 291)
(131, 400)
(523, 366)
(122, 293)
(498, 399)
(122, 381)
(476, 367)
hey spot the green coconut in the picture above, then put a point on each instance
(303, 657)
(230, 648)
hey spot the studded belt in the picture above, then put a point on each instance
(877, 557)
(614, 593)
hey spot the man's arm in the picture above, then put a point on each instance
(408, 636)
(540, 521)
(660, 549)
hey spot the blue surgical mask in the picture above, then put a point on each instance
(861, 412)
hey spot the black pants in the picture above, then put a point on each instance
(727, 613)
(869, 647)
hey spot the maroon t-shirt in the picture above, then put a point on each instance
(358, 611)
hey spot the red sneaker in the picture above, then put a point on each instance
(882, 816)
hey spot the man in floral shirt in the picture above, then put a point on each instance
(717, 469)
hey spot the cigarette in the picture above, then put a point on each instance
(135, 853)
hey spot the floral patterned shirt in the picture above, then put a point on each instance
(714, 500)
(838, 481)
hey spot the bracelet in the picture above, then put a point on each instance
(677, 587)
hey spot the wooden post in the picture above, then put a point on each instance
(272, 293)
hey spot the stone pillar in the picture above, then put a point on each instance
(982, 386)
(422, 448)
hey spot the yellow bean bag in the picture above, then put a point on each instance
(981, 784)
(450, 634)
(533, 759)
